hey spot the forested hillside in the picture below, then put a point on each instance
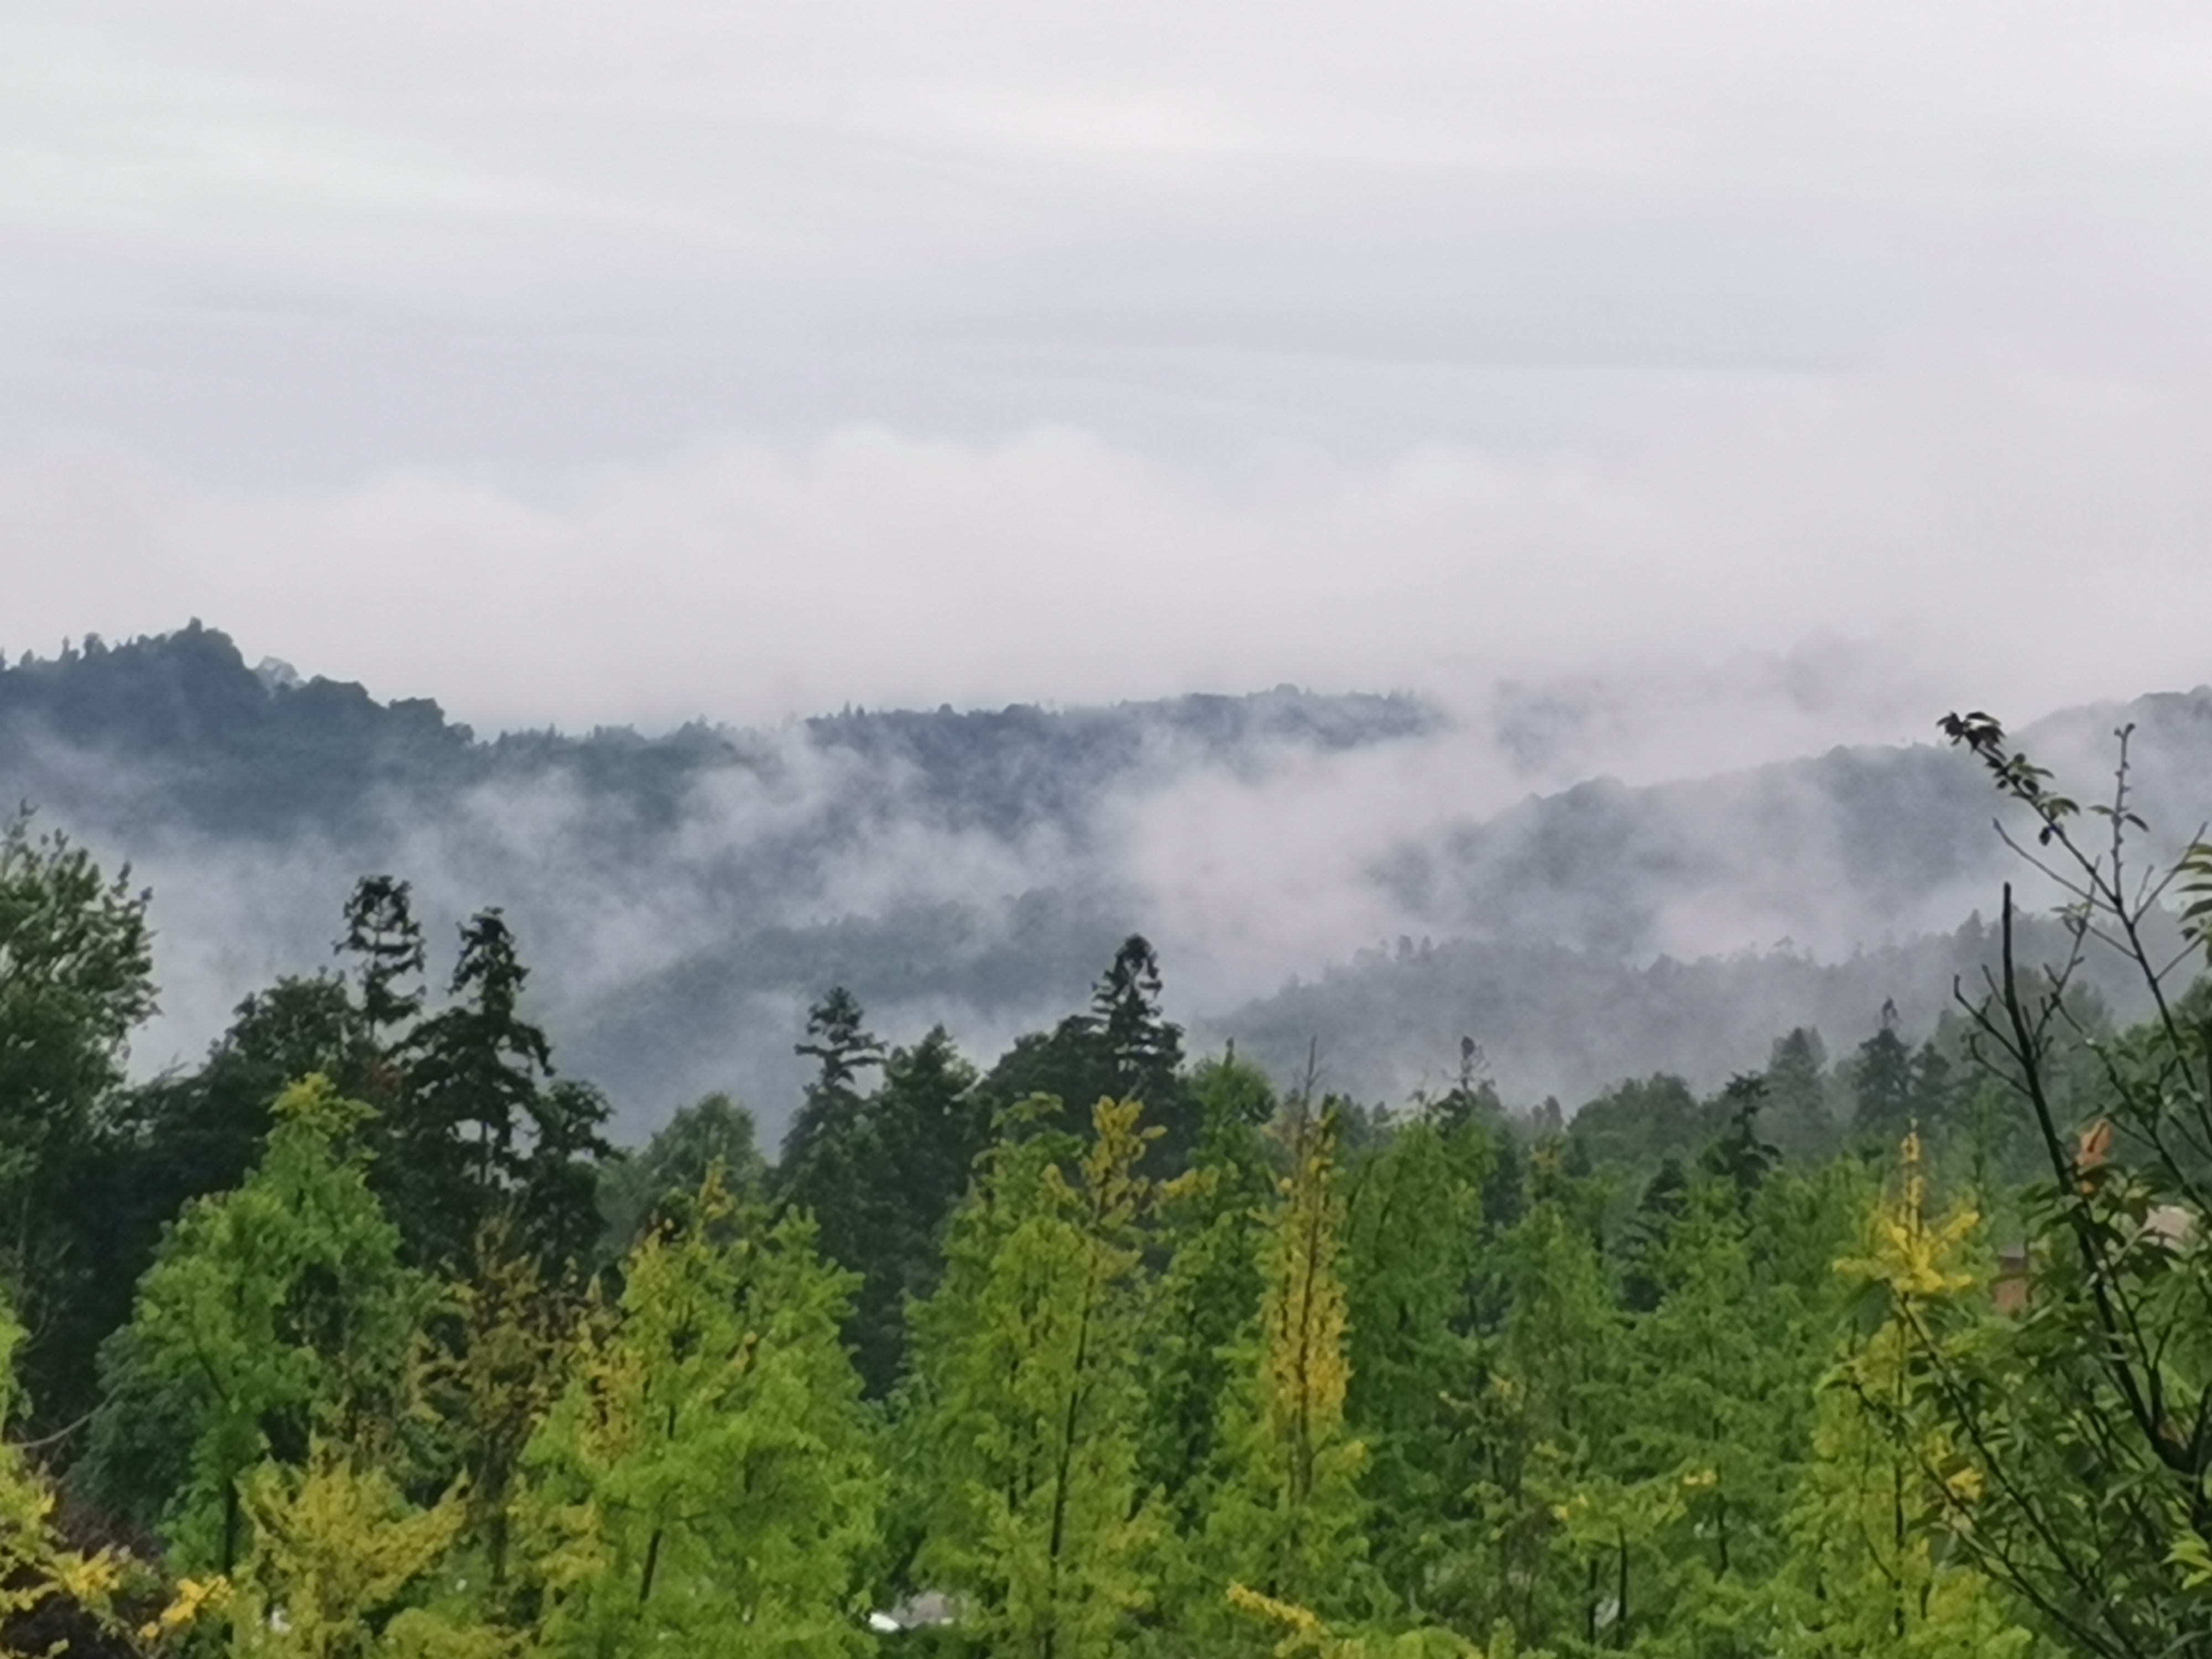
(949, 858)
(1304, 862)
(361, 1337)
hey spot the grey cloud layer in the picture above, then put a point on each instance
(579, 366)
(2024, 540)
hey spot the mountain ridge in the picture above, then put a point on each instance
(684, 894)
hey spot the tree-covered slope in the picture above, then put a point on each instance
(683, 897)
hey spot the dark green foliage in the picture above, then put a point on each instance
(179, 1137)
(651, 1187)
(478, 1125)
(1211, 1283)
(270, 1314)
(1739, 1155)
(1799, 1114)
(75, 978)
(1424, 1210)
(385, 944)
(1882, 1080)
(924, 1132)
(1451, 1379)
(1644, 1121)
(1122, 1048)
(1666, 1198)
(555, 1195)
(825, 1160)
(1933, 1088)
(881, 1171)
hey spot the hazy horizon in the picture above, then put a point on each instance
(748, 364)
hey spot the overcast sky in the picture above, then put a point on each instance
(620, 362)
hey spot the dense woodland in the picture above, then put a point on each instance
(361, 1339)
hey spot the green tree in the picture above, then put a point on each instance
(1420, 1226)
(493, 1365)
(270, 1313)
(1209, 1231)
(1882, 1559)
(707, 1482)
(923, 1134)
(1882, 1084)
(1933, 1089)
(480, 1127)
(2085, 1423)
(1740, 1154)
(1287, 1519)
(343, 1566)
(655, 1185)
(175, 1137)
(1539, 1405)
(1710, 1409)
(825, 1157)
(1798, 1112)
(1025, 1435)
(386, 943)
(1122, 1047)
(1642, 1120)
(75, 978)
(1143, 1048)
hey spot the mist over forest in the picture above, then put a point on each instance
(1361, 881)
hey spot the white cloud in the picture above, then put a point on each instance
(576, 365)
(2018, 538)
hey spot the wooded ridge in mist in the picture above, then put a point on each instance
(684, 897)
(361, 1341)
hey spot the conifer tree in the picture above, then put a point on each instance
(1879, 1566)
(1286, 1520)
(1538, 1409)
(344, 1566)
(1881, 1079)
(657, 1183)
(825, 1160)
(385, 942)
(923, 1134)
(494, 1364)
(1418, 1226)
(1209, 1224)
(480, 1127)
(1712, 1401)
(1797, 1094)
(1024, 1439)
(1144, 1048)
(1740, 1154)
(706, 1483)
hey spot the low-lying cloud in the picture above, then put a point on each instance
(2021, 539)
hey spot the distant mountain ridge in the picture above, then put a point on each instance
(231, 749)
(683, 896)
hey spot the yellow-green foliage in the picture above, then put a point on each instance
(35, 1568)
(1286, 1520)
(271, 1312)
(706, 1484)
(1881, 1566)
(1026, 1440)
(1298, 1632)
(343, 1567)
(492, 1378)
